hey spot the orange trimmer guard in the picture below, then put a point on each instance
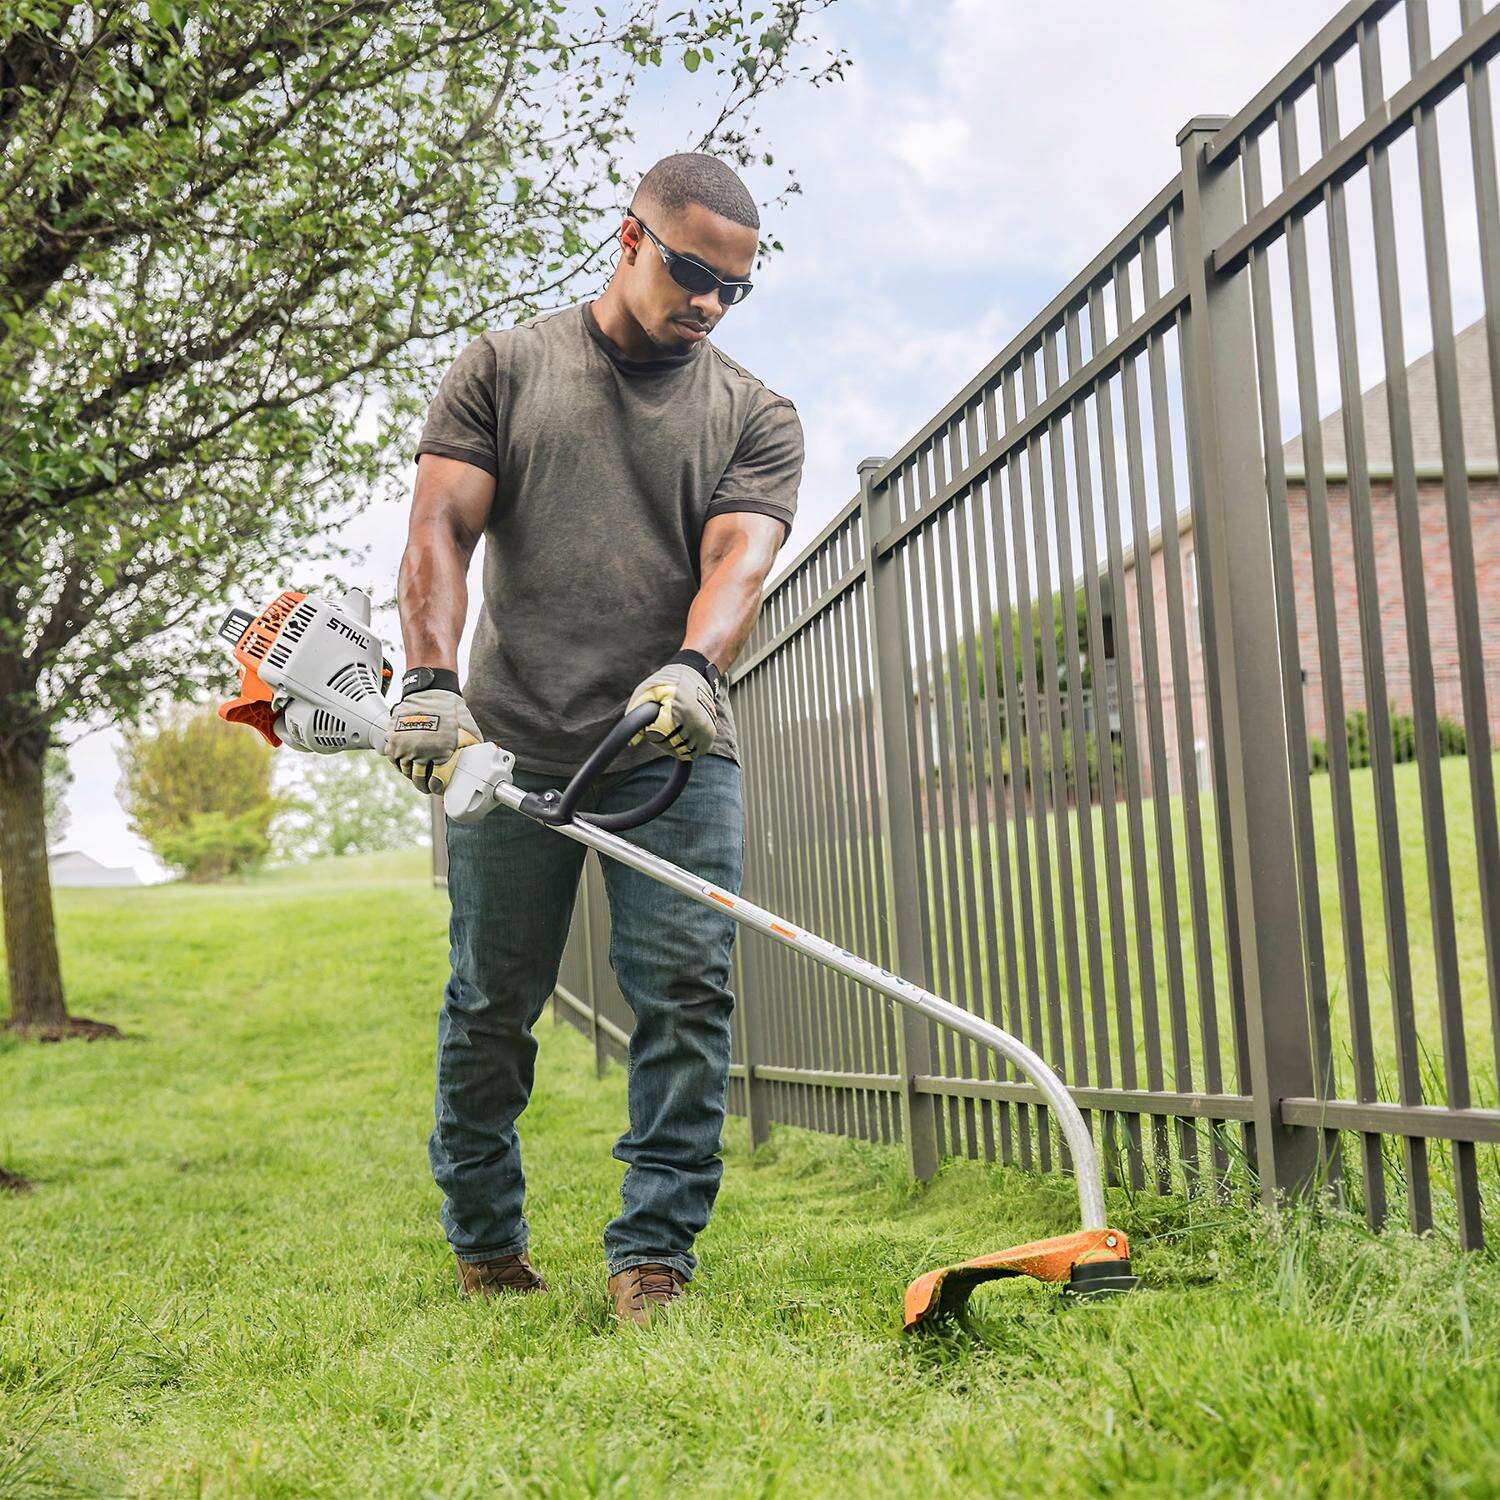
(1091, 1263)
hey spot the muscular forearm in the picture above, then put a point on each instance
(432, 593)
(724, 612)
(448, 514)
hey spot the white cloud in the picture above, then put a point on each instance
(951, 187)
(1015, 136)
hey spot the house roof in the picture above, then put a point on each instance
(75, 857)
(1476, 404)
(74, 867)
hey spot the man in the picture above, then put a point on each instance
(634, 485)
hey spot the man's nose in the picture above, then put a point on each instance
(708, 305)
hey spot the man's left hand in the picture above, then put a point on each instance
(688, 688)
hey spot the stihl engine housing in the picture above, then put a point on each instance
(312, 673)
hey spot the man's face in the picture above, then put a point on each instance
(671, 315)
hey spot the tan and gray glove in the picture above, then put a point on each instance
(690, 690)
(429, 726)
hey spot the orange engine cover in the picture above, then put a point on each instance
(253, 706)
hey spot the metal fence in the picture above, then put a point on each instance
(1237, 951)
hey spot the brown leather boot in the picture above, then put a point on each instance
(641, 1292)
(489, 1278)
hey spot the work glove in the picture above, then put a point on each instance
(690, 690)
(429, 726)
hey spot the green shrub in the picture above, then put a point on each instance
(1064, 782)
(1403, 738)
(1357, 737)
(1451, 737)
(198, 791)
(1451, 740)
(212, 845)
(350, 804)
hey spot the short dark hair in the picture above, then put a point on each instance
(693, 177)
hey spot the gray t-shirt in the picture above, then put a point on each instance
(606, 470)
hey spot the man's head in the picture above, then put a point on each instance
(696, 206)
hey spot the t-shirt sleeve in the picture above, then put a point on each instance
(766, 468)
(462, 421)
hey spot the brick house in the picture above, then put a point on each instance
(1477, 406)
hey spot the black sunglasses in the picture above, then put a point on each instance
(692, 275)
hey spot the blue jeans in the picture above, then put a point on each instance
(512, 883)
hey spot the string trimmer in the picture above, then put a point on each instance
(312, 674)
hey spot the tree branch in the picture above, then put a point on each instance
(35, 59)
(56, 246)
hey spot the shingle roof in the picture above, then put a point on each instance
(1476, 404)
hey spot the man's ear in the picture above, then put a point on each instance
(630, 239)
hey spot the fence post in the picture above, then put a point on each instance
(752, 1047)
(1223, 415)
(890, 686)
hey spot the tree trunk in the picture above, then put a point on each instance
(36, 992)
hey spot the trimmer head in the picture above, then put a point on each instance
(1091, 1263)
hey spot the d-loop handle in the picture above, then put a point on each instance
(558, 807)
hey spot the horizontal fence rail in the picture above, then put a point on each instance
(1142, 703)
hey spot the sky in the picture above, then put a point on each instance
(976, 155)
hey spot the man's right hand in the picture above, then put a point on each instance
(429, 726)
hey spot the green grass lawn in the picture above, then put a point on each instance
(961, 969)
(230, 1279)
